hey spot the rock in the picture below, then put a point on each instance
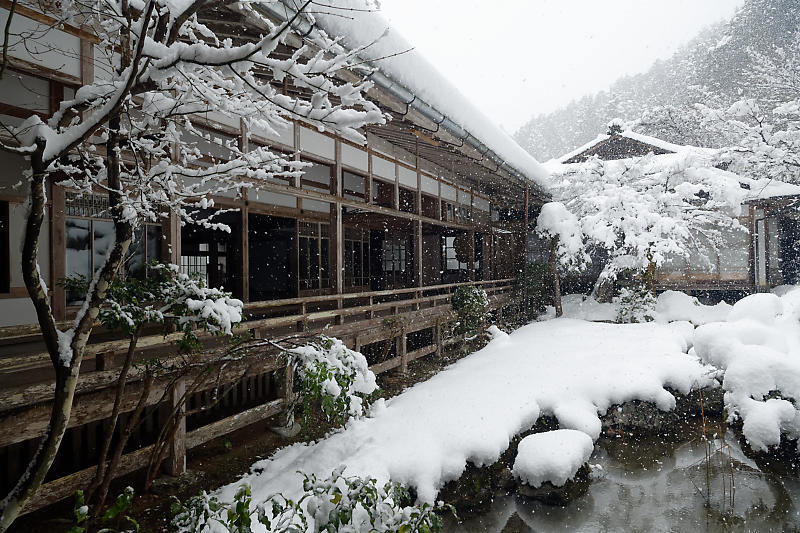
(473, 492)
(645, 419)
(783, 459)
(515, 524)
(552, 495)
(172, 485)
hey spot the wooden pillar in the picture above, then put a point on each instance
(437, 338)
(87, 60)
(417, 253)
(368, 190)
(401, 351)
(58, 250)
(244, 252)
(471, 262)
(396, 200)
(336, 231)
(244, 224)
(173, 241)
(301, 324)
(176, 465)
(286, 392)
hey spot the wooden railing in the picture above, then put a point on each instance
(411, 296)
(264, 379)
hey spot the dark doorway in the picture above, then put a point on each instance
(213, 254)
(391, 260)
(273, 257)
(790, 250)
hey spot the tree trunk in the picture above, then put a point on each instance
(102, 491)
(554, 274)
(649, 276)
(100, 473)
(65, 349)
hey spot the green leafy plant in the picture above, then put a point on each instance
(113, 519)
(335, 503)
(331, 375)
(635, 304)
(166, 297)
(532, 290)
(471, 305)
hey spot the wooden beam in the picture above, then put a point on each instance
(228, 425)
(47, 20)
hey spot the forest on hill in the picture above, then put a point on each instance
(718, 67)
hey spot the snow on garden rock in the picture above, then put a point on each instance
(674, 305)
(470, 412)
(764, 307)
(759, 350)
(553, 456)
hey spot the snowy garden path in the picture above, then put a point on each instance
(424, 437)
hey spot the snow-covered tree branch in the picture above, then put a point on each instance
(645, 210)
(130, 133)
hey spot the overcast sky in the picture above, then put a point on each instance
(518, 58)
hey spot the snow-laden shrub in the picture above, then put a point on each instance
(471, 305)
(555, 222)
(331, 374)
(165, 296)
(336, 503)
(635, 305)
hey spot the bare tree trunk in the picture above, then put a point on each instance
(102, 491)
(554, 274)
(650, 275)
(100, 473)
(65, 349)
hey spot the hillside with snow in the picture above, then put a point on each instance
(711, 68)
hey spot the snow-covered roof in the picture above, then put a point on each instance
(634, 136)
(358, 25)
(765, 189)
(579, 150)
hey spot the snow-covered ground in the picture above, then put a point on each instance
(424, 437)
(671, 306)
(568, 368)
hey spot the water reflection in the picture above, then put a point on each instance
(650, 485)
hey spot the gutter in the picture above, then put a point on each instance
(308, 29)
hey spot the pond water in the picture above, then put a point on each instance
(647, 485)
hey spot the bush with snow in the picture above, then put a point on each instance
(645, 210)
(332, 374)
(471, 305)
(555, 222)
(635, 305)
(335, 503)
(553, 456)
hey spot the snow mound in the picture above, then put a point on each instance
(673, 305)
(469, 412)
(759, 350)
(554, 456)
(584, 307)
(764, 307)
